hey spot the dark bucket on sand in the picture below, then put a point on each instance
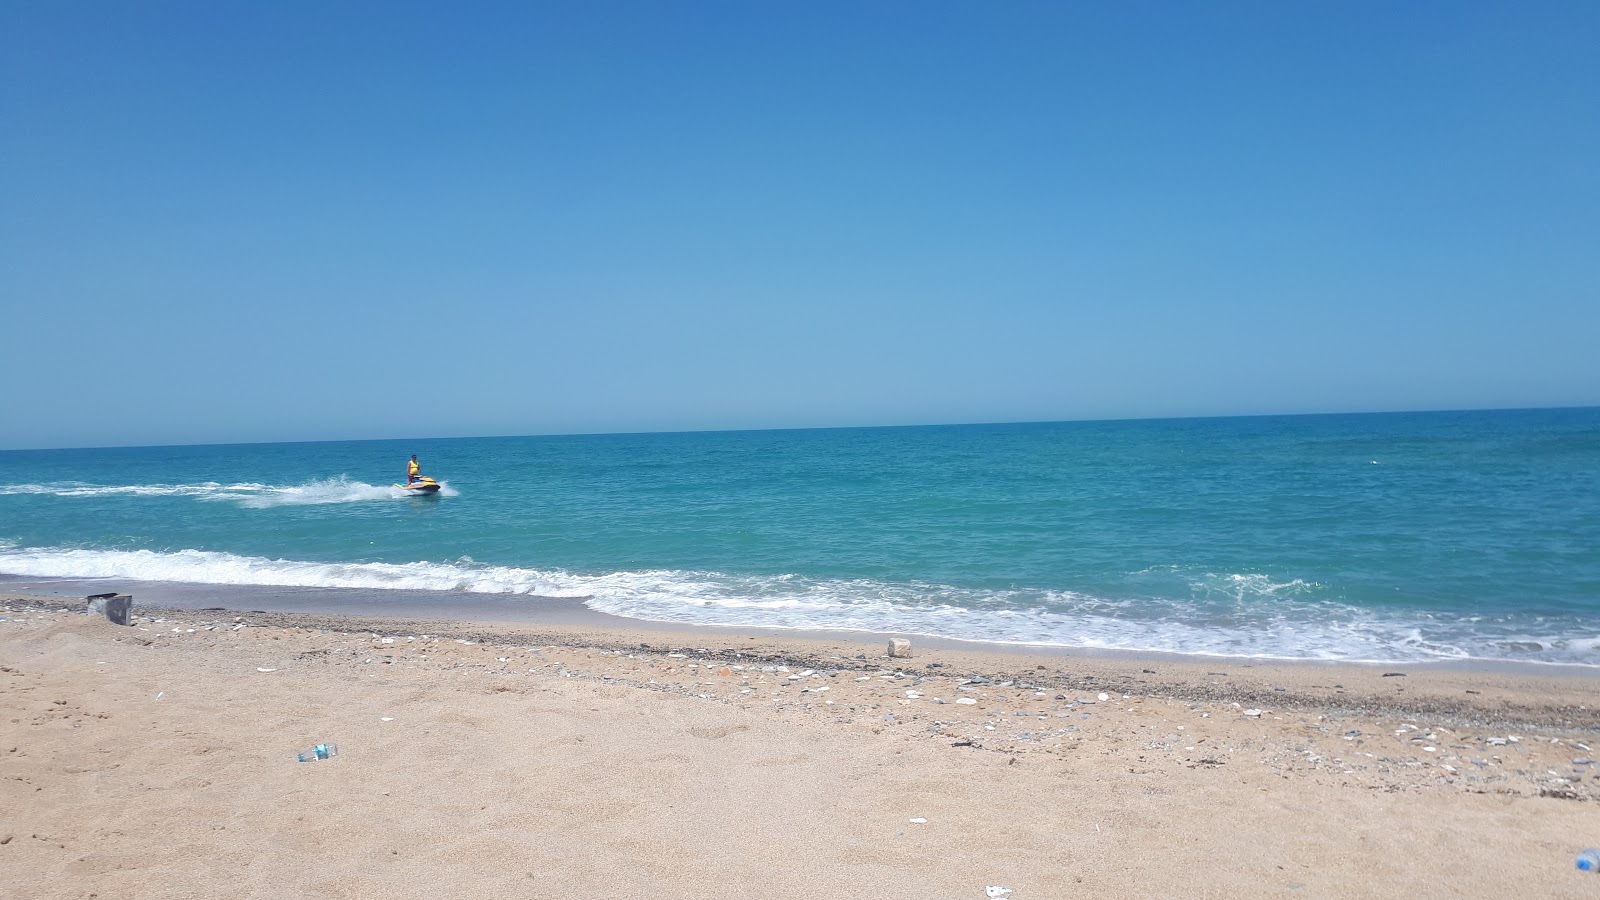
(115, 607)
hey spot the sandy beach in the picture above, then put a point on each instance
(479, 760)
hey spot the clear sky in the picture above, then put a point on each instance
(242, 221)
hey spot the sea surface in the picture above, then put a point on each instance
(1384, 537)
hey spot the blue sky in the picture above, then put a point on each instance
(232, 221)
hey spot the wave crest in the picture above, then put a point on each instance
(1282, 626)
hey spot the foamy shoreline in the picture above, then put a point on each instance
(1489, 694)
(538, 611)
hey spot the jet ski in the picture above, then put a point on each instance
(423, 485)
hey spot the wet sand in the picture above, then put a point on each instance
(584, 759)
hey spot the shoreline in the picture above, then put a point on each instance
(541, 611)
(1467, 696)
(482, 759)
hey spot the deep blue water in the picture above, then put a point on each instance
(1379, 537)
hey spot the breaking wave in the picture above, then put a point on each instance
(1225, 615)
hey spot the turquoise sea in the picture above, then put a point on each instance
(1384, 537)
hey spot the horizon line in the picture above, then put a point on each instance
(627, 433)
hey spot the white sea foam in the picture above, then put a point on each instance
(331, 490)
(207, 567)
(205, 490)
(1244, 587)
(248, 494)
(1277, 627)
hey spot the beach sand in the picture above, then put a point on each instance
(158, 760)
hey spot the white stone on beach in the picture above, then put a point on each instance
(1103, 697)
(1253, 713)
(260, 669)
(899, 648)
(966, 701)
(919, 821)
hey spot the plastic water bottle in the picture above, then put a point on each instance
(1588, 860)
(319, 752)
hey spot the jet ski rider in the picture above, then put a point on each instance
(413, 471)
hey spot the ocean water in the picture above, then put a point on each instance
(1385, 537)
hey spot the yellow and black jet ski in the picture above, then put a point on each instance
(422, 485)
